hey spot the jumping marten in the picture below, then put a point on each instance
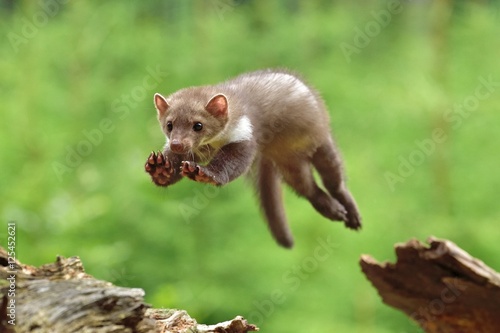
(270, 119)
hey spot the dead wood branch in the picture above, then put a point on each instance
(440, 286)
(61, 297)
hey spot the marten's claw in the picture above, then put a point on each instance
(197, 173)
(159, 168)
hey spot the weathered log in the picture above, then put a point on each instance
(61, 297)
(441, 287)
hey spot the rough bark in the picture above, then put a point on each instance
(440, 286)
(61, 297)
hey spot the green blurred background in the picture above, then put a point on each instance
(76, 86)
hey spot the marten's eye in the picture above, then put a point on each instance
(169, 126)
(197, 127)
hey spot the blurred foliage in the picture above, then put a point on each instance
(76, 86)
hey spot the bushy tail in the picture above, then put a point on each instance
(269, 191)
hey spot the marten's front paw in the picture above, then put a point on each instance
(159, 168)
(197, 173)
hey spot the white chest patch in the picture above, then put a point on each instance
(242, 131)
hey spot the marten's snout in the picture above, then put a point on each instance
(177, 147)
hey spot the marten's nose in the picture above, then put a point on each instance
(176, 146)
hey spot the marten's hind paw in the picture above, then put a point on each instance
(353, 221)
(159, 168)
(197, 173)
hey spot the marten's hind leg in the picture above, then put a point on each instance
(327, 161)
(297, 173)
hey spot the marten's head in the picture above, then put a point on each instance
(191, 121)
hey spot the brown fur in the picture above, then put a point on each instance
(289, 134)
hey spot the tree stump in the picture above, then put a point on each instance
(61, 297)
(441, 287)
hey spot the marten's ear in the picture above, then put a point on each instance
(161, 105)
(217, 106)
